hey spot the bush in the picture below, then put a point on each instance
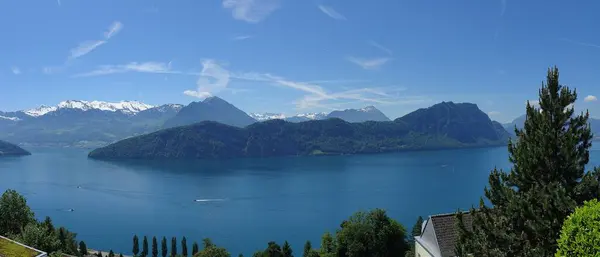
(580, 234)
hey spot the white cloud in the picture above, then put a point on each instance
(58, 2)
(89, 46)
(242, 37)
(85, 48)
(493, 113)
(48, 70)
(590, 98)
(251, 11)
(503, 9)
(369, 64)
(331, 12)
(382, 48)
(144, 67)
(213, 79)
(15, 70)
(113, 30)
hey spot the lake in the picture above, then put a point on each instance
(242, 204)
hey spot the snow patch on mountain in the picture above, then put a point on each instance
(129, 107)
(313, 116)
(9, 118)
(267, 116)
(369, 108)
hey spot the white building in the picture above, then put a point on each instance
(438, 235)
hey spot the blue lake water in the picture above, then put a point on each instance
(243, 204)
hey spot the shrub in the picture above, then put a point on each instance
(580, 234)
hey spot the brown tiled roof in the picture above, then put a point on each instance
(446, 231)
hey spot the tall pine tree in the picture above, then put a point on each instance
(136, 245)
(195, 249)
(173, 247)
(145, 247)
(547, 181)
(154, 247)
(184, 251)
(163, 246)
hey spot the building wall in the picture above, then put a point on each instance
(420, 251)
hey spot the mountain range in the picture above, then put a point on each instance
(95, 123)
(444, 125)
(519, 123)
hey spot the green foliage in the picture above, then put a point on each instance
(136, 245)
(184, 251)
(371, 234)
(14, 213)
(38, 236)
(173, 246)
(546, 183)
(211, 250)
(442, 126)
(286, 250)
(163, 245)
(307, 249)
(580, 234)
(145, 247)
(154, 247)
(82, 248)
(327, 244)
(56, 254)
(195, 249)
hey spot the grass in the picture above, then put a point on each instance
(10, 249)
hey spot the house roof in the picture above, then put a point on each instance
(446, 232)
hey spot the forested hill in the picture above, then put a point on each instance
(8, 149)
(444, 125)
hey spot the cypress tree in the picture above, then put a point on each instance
(82, 248)
(99, 254)
(111, 253)
(184, 251)
(195, 248)
(120, 255)
(145, 247)
(173, 247)
(163, 245)
(154, 247)
(547, 181)
(136, 246)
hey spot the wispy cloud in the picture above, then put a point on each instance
(331, 12)
(493, 113)
(369, 64)
(252, 11)
(503, 7)
(242, 37)
(114, 28)
(144, 67)
(58, 2)
(89, 45)
(15, 70)
(48, 70)
(590, 98)
(382, 48)
(580, 43)
(213, 79)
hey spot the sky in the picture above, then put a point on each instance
(298, 56)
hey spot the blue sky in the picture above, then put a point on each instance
(293, 56)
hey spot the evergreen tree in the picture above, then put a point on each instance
(416, 231)
(145, 247)
(111, 253)
(240, 255)
(184, 251)
(286, 249)
(136, 246)
(48, 224)
(99, 254)
(120, 255)
(547, 181)
(327, 246)
(173, 247)
(273, 250)
(154, 247)
(195, 249)
(163, 245)
(82, 248)
(307, 249)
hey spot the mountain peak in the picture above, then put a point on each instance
(129, 107)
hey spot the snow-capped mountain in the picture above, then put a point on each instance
(369, 113)
(266, 116)
(128, 107)
(295, 118)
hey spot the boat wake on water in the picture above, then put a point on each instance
(210, 200)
